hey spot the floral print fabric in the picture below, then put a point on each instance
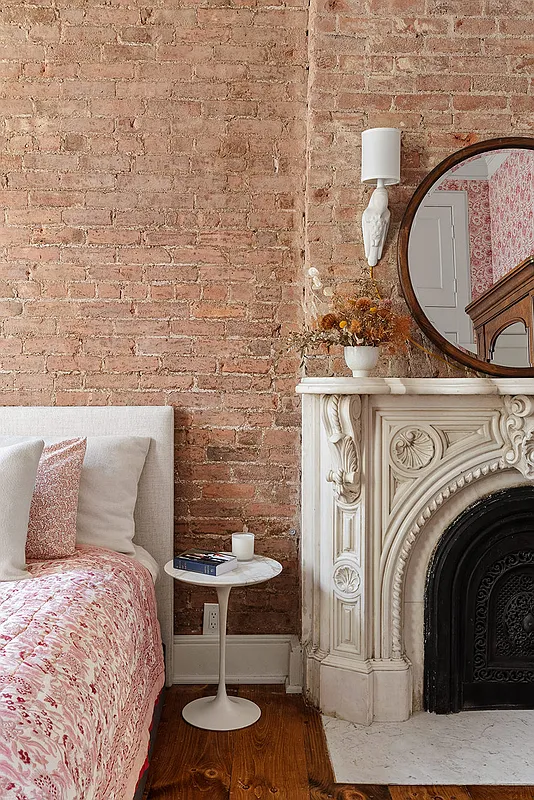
(52, 523)
(81, 667)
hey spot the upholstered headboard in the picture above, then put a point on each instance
(154, 509)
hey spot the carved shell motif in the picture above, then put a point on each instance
(346, 580)
(412, 449)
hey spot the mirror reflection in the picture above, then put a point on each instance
(471, 256)
(510, 347)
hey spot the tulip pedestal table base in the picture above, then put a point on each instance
(223, 713)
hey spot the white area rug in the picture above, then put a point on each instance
(477, 747)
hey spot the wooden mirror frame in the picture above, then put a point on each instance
(513, 142)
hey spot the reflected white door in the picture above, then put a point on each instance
(438, 254)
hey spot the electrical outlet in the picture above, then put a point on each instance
(210, 624)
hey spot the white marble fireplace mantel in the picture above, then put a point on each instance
(387, 465)
(416, 386)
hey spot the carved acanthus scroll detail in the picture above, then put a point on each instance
(517, 430)
(341, 417)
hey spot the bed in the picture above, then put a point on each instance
(79, 676)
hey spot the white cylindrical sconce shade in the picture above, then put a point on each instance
(381, 155)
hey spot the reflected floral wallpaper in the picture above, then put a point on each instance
(480, 249)
(511, 194)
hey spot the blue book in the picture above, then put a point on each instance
(206, 562)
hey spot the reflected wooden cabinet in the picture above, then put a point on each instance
(506, 302)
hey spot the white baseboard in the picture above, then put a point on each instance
(249, 659)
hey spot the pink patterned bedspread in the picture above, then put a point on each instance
(81, 667)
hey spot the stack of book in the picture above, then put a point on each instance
(207, 562)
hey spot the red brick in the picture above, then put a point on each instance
(79, 363)
(228, 490)
(474, 102)
(56, 199)
(468, 8)
(475, 26)
(23, 363)
(162, 382)
(504, 8)
(188, 53)
(247, 365)
(524, 65)
(515, 26)
(443, 83)
(212, 310)
(111, 381)
(413, 102)
(157, 345)
(500, 84)
(130, 52)
(79, 291)
(488, 122)
(50, 344)
(385, 7)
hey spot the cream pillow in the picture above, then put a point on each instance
(108, 491)
(18, 469)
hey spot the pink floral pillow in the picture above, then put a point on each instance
(52, 525)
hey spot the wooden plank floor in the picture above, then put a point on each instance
(282, 757)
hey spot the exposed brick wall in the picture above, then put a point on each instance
(152, 176)
(446, 72)
(153, 172)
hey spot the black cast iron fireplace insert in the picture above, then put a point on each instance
(479, 608)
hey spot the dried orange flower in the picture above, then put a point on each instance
(363, 302)
(343, 323)
(328, 322)
(384, 312)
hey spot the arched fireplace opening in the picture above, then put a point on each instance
(479, 608)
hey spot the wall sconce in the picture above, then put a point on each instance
(380, 166)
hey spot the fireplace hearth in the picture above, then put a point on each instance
(396, 474)
(479, 609)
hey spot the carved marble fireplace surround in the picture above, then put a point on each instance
(387, 465)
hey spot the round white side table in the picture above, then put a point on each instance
(223, 713)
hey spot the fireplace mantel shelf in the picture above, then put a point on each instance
(414, 386)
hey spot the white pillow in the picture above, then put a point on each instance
(18, 470)
(108, 491)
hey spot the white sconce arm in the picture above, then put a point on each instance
(375, 224)
(380, 167)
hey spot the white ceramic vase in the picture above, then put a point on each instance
(361, 359)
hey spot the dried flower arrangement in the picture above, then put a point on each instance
(359, 316)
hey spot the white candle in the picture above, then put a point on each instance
(243, 546)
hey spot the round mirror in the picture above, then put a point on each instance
(466, 256)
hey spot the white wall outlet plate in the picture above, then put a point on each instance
(210, 624)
